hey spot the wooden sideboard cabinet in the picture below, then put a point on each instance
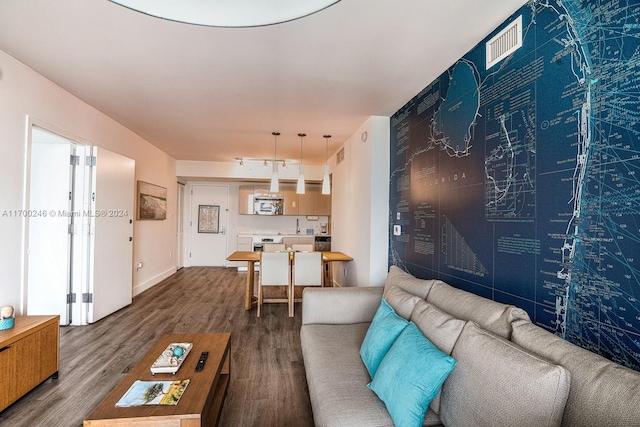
(29, 354)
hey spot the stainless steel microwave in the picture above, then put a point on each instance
(267, 206)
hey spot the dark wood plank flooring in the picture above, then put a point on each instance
(268, 385)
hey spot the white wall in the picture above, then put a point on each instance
(245, 224)
(360, 205)
(29, 98)
(221, 173)
(250, 171)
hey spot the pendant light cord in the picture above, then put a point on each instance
(301, 135)
(275, 145)
(326, 148)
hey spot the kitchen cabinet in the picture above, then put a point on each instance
(29, 354)
(245, 243)
(305, 201)
(245, 198)
(304, 240)
(313, 202)
(263, 191)
(247, 193)
(321, 202)
(291, 199)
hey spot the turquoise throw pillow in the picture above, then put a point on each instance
(410, 376)
(383, 331)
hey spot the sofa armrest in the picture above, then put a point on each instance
(340, 305)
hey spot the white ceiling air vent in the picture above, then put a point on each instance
(340, 156)
(504, 43)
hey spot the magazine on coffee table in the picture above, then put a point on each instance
(171, 358)
(153, 393)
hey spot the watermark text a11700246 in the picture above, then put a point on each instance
(63, 213)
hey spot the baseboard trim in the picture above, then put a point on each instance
(141, 287)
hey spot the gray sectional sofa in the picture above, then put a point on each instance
(509, 372)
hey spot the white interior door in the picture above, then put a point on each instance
(79, 222)
(48, 253)
(111, 271)
(208, 248)
(180, 227)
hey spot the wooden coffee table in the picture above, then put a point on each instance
(202, 401)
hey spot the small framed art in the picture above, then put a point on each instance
(152, 201)
(208, 218)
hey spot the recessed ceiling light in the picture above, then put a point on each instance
(228, 13)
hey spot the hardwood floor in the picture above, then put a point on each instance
(268, 385)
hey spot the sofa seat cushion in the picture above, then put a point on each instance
(497, 383)
(337, 378)
(602, 392)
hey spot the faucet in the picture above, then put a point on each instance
(297, 225)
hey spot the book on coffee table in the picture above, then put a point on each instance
(153, 393)
(171, 358)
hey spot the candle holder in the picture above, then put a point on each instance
(7, 317)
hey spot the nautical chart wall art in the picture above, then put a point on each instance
(521, 181)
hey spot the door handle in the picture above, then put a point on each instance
(130, 238)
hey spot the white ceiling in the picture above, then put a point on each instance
(205, 93)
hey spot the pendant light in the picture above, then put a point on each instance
(326, 189)
(300, 188)
(274, 176)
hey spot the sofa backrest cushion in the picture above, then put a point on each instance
(441, 329)
(493, 316)
(497, 383)
(340, 306)
(602, 393)
(401, 301)
(407, 282)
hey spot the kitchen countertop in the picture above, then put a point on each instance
(282, 234)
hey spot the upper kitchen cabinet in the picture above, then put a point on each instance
(321, 202)
(245, 198)
(313, 202)
(263, 191)
(305, 201)
(291, 200)
(248, 193)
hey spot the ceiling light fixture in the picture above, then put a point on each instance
(228, 13)
(300, 187)
(274, 175)
(326, 188)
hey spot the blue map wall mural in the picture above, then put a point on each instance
(521, 182)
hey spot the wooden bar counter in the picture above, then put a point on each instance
(251, 258)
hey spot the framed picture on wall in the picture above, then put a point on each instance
(152, 201)
(208, 218)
